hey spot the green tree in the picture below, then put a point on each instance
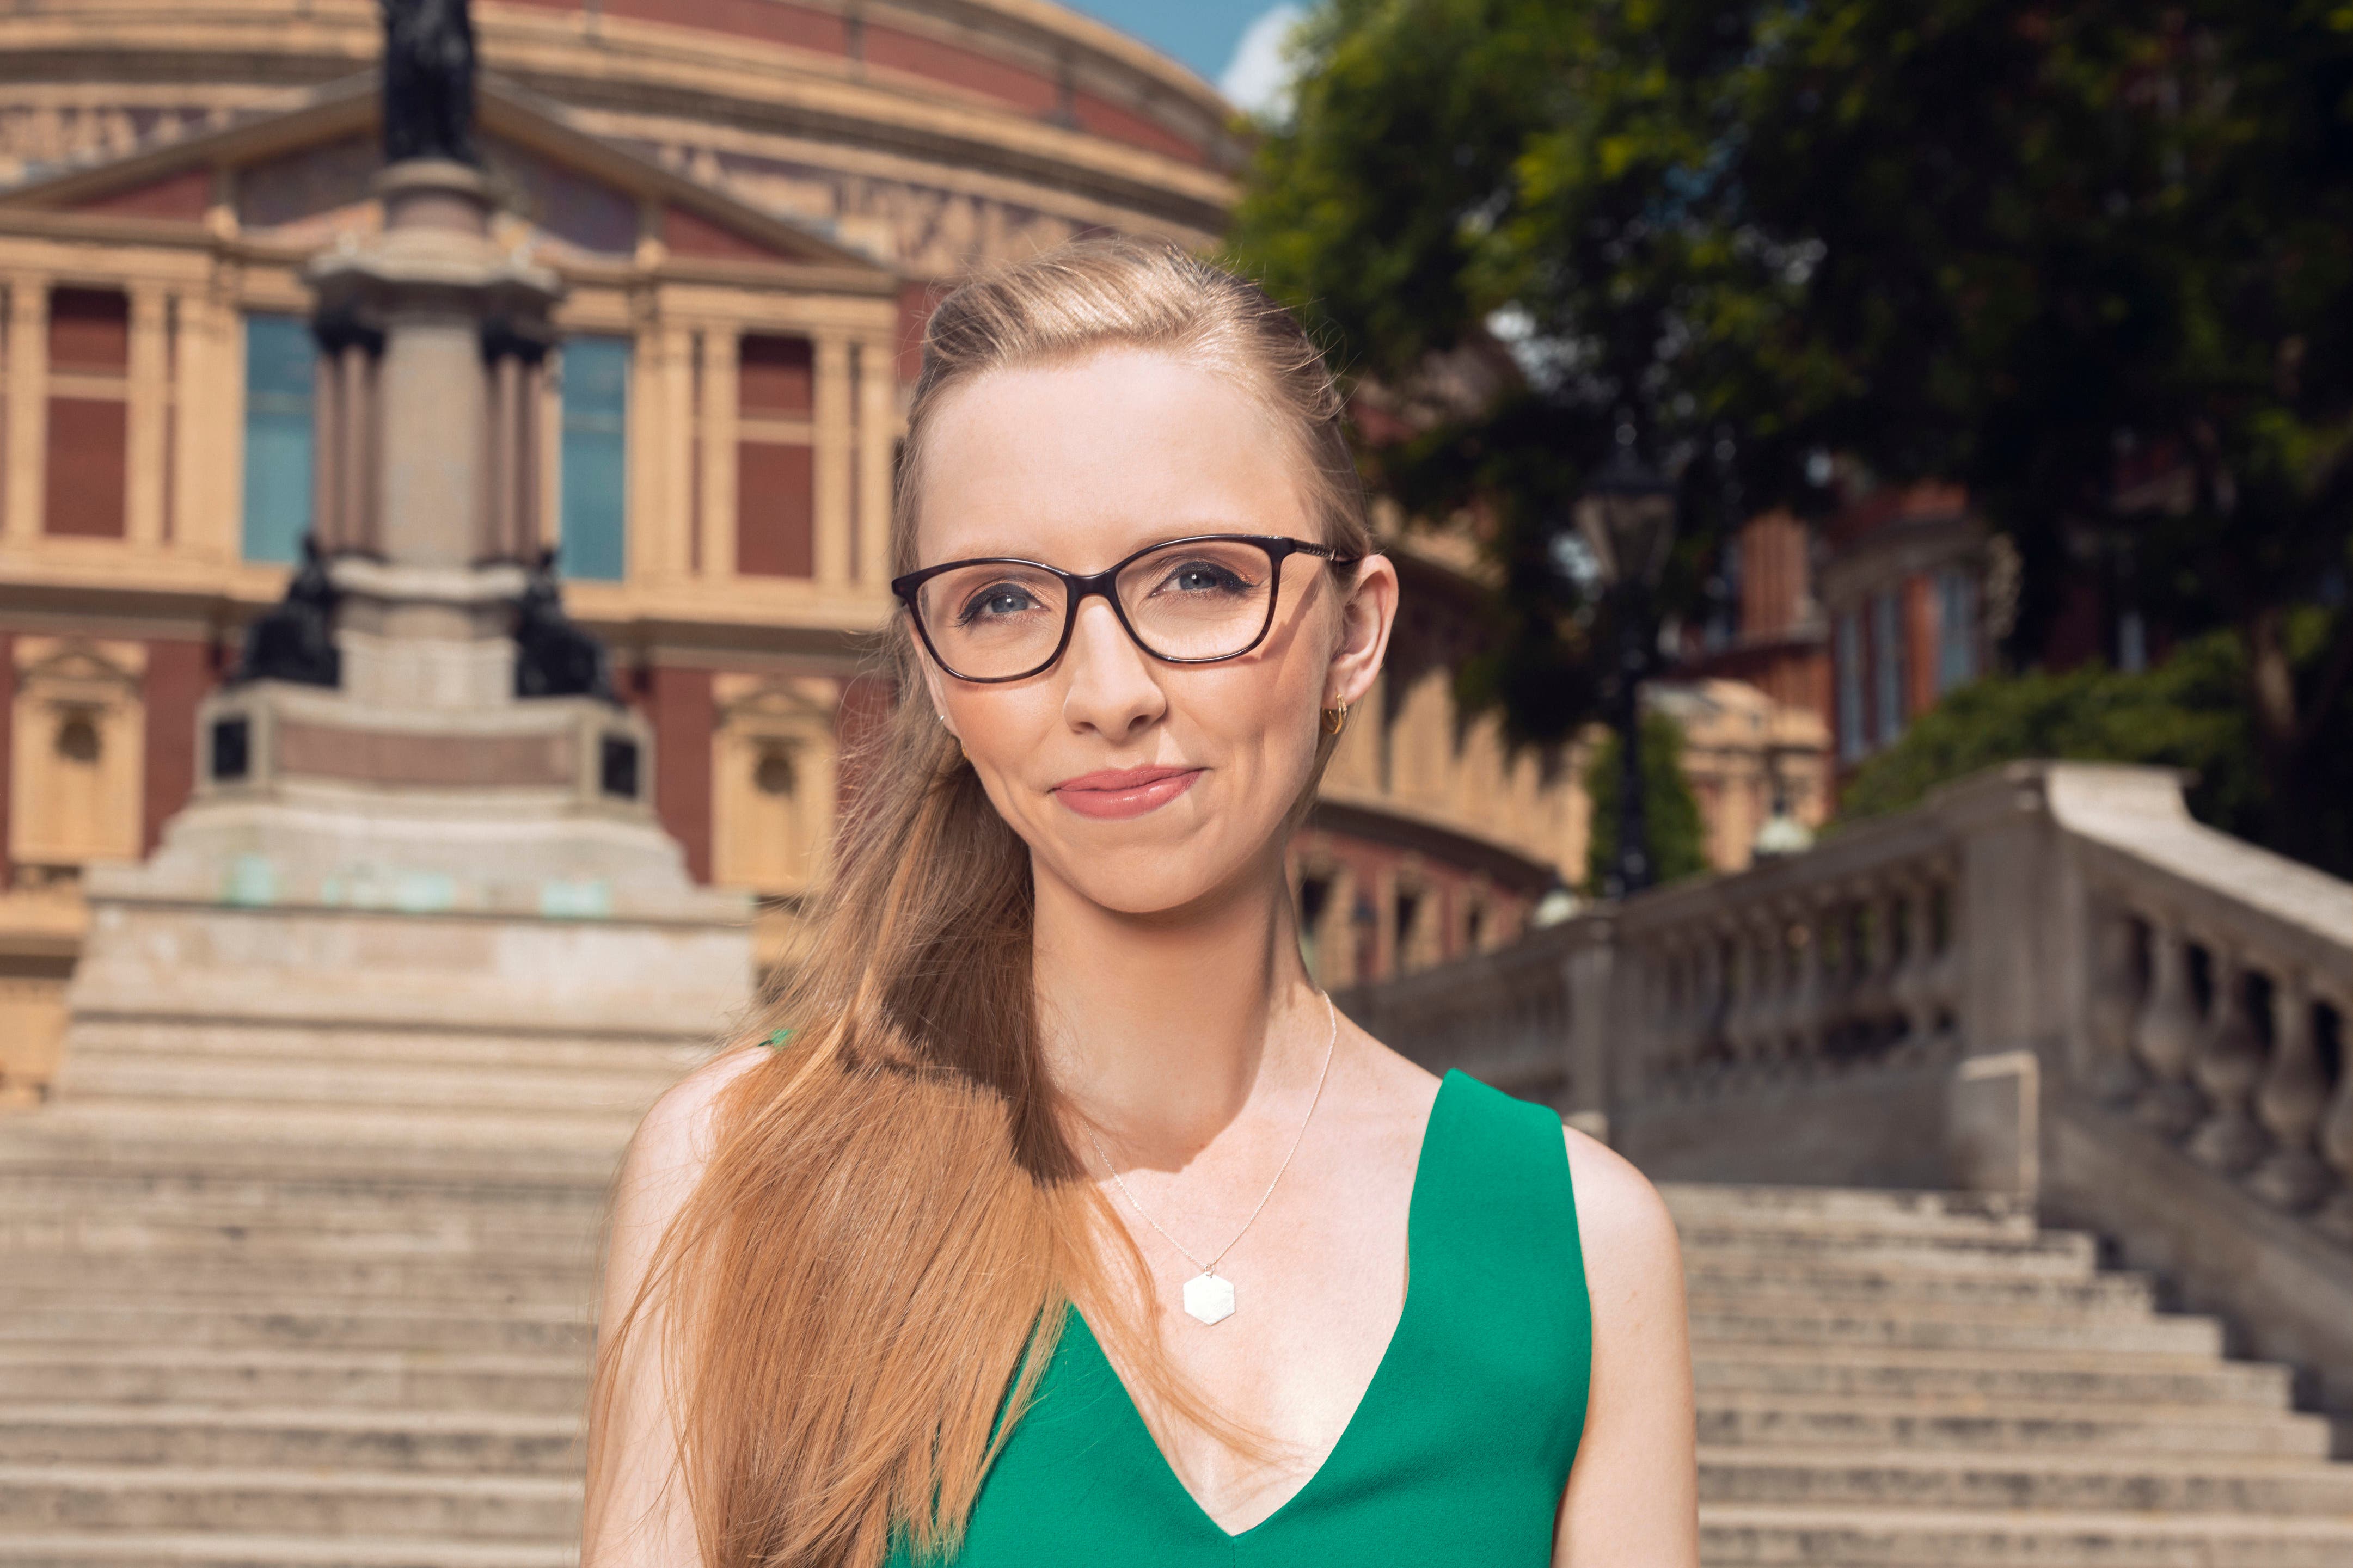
(1670, 813)
(1998, 242)
(2189, 712)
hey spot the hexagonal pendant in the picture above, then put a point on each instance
(1209, 1298)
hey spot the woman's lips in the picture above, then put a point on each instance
(1124, 792)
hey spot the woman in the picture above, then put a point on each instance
(1064, 1221)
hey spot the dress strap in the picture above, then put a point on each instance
(1494, 1213)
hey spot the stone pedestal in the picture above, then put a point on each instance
(388, 846)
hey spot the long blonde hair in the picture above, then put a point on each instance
(857, 1299)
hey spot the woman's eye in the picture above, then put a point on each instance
(998, 600)
(1201, 577)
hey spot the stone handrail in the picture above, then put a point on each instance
(2170, 1009)
(2219, 990)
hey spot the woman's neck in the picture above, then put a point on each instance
(1162, 1031)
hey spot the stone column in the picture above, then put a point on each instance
(355, 373)
(832, 460)
(435, 424)
(29, 403)
(148, 395)
(878, 419)
(673, 440)
(329, 425)
(722, 352)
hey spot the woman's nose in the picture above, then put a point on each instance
(1111, 691)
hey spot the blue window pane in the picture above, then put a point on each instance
(1888, 664)
(595, 541)
(279, 361)
(1848, 658)
(1957, 630)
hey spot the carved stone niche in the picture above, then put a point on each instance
(78, 757)
(774, 766)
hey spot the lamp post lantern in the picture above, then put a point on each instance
(1627, 517)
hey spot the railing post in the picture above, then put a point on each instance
(2165, 1035)
(2113, 1075)
(1913, 984)
(2290, 1100)
(2335, 1216)
(2228, 1062)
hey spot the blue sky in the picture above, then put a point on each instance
(1202, 33)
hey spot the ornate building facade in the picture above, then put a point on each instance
(751, 204)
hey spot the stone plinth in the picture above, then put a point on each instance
(416, 854)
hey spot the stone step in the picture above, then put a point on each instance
(220, 1548)
(1769, 1535)
(239, 1194)
(2050, 1254)
(1789, 1323)
(1961, 1479)
(2103, 1294)
(369, 1085)
(1789, 1423)
(309, 1379)
(1847, 1209)
(261, 1041)
(572, 1241)
(2086, 1376)
(349, 1144)
(287, 1502)
(386, 1441)
(526, 1327)
(262, 1281)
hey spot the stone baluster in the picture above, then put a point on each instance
(2112, 1074)
(1695, 1014)
(2335, 1215)
(1765, 1048)
(1715, 999)
(2290, 1100)
(1841, 1016)
(1806, 1001)
(2228, 1065)
(1945, 986)
(1739, 999)
(1669, 995)
(2165, 1035)
(1912, 988)
(1874, 991)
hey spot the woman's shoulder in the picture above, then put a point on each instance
(674, 1141)
(1624, 1228)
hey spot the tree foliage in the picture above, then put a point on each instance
(2189, 712)
(1671, 819)
(2022, 247)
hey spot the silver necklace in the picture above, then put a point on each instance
(1208, 1294)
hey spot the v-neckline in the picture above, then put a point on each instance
(1384, 1371)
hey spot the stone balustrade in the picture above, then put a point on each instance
(2219, 992)
(2169, 1006)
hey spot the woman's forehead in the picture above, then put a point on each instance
(1079, 463)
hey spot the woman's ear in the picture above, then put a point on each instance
(1367, 613)
(932, 695)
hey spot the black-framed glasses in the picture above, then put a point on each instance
(1185, 601)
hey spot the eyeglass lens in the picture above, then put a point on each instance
(1204, 600)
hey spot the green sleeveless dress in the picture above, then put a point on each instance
(1463, 1443)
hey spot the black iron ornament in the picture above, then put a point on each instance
(428, 80)
(294, 640)
(554, 657)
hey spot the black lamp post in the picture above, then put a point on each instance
(1627, 516)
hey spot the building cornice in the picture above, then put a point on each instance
(651, 67)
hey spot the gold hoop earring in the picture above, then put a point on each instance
(1336, 719)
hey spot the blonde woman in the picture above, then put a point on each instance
(1056, 1217)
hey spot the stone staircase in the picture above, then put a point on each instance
(259, 1310)
(1904, 1378)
